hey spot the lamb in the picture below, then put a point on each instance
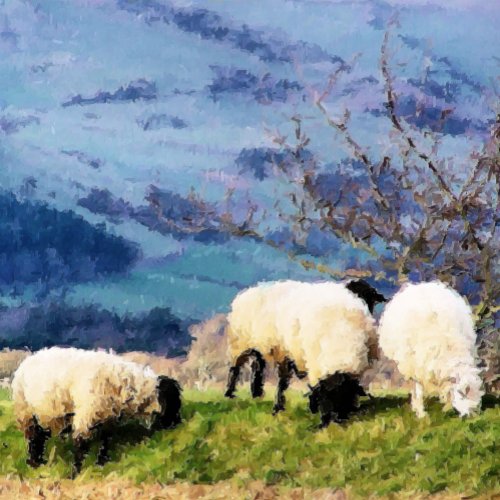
(66, 389)
(428, 330)
(323, 330)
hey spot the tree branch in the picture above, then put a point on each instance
(398, 125)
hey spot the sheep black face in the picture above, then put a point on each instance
(366, 292)
(335, 397)
(169, 397)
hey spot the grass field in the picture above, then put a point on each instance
(383, 450)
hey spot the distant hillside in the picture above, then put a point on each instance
(89, 326)
(42, 245)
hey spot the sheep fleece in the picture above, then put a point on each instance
(428, 330)
(323, 327)
(94, 386)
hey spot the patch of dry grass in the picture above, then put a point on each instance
(118, 489)
(10, 360)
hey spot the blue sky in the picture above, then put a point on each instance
(120, 95)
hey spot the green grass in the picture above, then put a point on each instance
(384, 449)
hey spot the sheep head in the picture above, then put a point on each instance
(467, 391)
(169, 398)
(366, 292)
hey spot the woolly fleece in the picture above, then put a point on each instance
(94, 386)
(323, 327)
(428, 330)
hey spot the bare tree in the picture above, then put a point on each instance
(409, 212)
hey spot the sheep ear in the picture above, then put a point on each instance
(467, 390)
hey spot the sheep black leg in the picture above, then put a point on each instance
(257, 382)
(285, 372)
(37, 436)
(103, 455)
(81, 449)
(257, 373)
(234, 374)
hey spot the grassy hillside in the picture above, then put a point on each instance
(383, 450)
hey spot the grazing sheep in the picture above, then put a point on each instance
(57, 390)
(428, 330)
(315, 329)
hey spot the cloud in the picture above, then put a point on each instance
(159, 120)
(211, 26)
(11, 124)
(166, 213)
(265, 89)
(84, 158)
(455, 4)
(140, 89)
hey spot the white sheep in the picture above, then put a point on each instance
(323, 329)
(428, 330)
(59, 389)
